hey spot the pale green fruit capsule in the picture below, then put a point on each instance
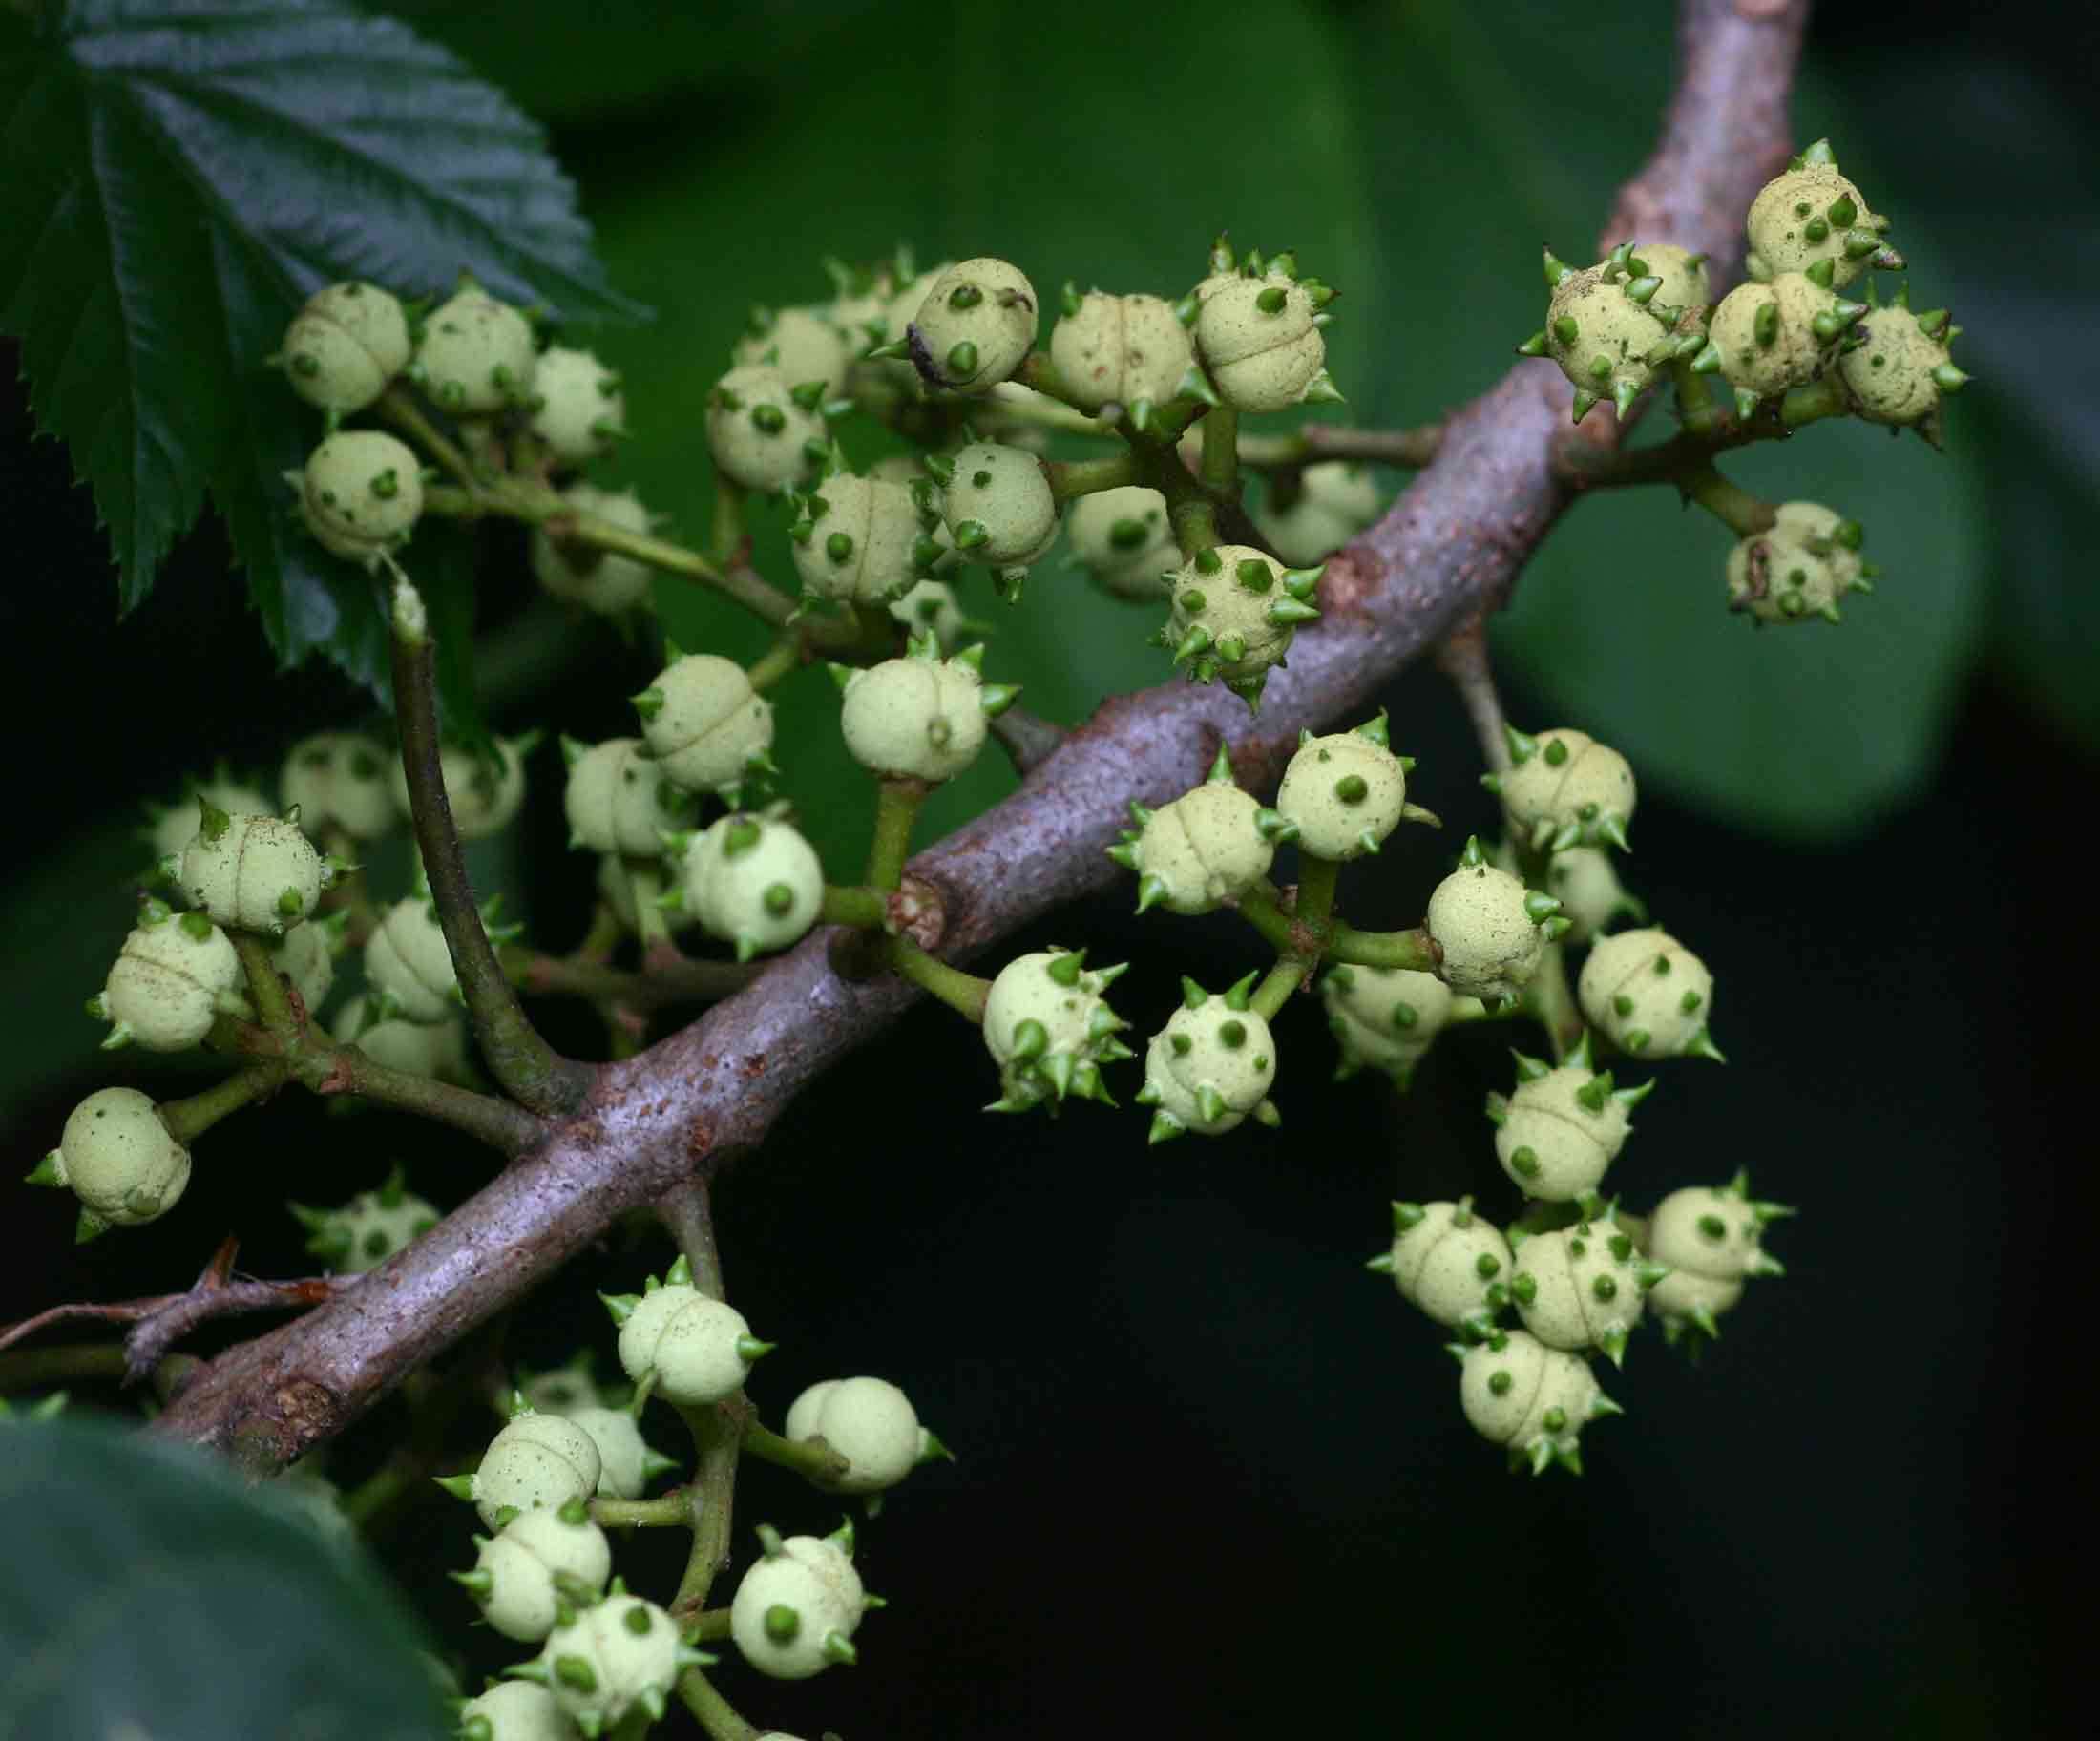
(1451, 1262)
(1798, 570)
(165, 985)
(1210, 1066)
(976, 325)
(1344, 793)
(610, 1658)
(477, 354)
(868, 1421)
(1202, 851)
(857, 539)
(337, 779)
(601, 581)
(1126, 540)
(485, 792)
(931, 607)
(1121, 349)
(305, 955)
(1810, 215)
(1895, 368)
(1605, 343)
(536, 1461)
(1386, 1017)
(361, 494)
(565, 1389)
(758, 431)
(753, 882)
(916, 718)
(1563, 787)
(252, 872)
(805, 344)
(173, 828)
(1535, 1400)
(514, 1711)
(692, 1350)
(791, 1602)
(1259, 342)
(120, 1161)
(1768, 334)
(619, 800)
(997, 505)
(882, 317)
(1713, 1232)
(1234, 612)
(705, 725)
(435, 1049)
(1481, 920)
(344, 346)
(1048, 1027)
(1337, 500)
(1648, 994)
(1560, 1130)
(369, 1229)
(406, 958)
(626, 1460)
(515, 1573)
(1580, 1287)
(1683, 281)
(1586, 881)
(580, 412)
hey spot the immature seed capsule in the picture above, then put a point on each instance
(619, 800)
(1563, 787)
(118, 1160)
(1260, 343)
(1386, 1017)
(1607, 342)
(1581, 1287)
(1335, 501)
(1710, 1236)
(1774, 335)
(175, 827)
(1233, 615)
(601, 581)
(1535, 1400)
(436, 1049)
(1451, 1262)
(920, 717)
(361, 494)
(796, 1608)
(1895, 367)
(163, 989)
(708, 727)
(485, 790)
(804, 343)
(1562, 1128)
(538, 1564)
(1648, 995)
(538, 1459)
(252, 872)
(1121, 350)
(931, 607)
(344, 346)
(1204, 849)
(477, 353)
(1586, 881)
(1799, 569)
(1344, 793)
(997, 505)
(690, 1348)
(407, 958)
(1048, 1027)
(1210, 1066)
(369, 1229)
(1486, 927)
(868, 1422)
(976, 325)
(610, 1658)
(858, 539)
(514, 1711)
(1811, 215)
(1125, 539)
(626, 1460)
(580, 412)
(337, 779)
(759, 432)
(753, 882)
(1681, 278)
(305, 955)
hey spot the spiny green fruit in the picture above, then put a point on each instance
(1897, 368)
(1386, 1017)
(708, 727)
(537, 1461)
(365, 1231)
(1489, 930)
(1586, 881)
(1235, 612)
(577, 407)
(920, 717)
(484, 788)
(1451, 1262)
(477, 354)
(1535, 1400)
(1560, 1128)
(1261, 344)
(1800, 568)
(344, 346)
(1766, 338)
(599, 580)
(1710, 1236)
(1048, 1027)
(1563, 789)
(931, 607)
(167, 982)
(804, 343)
(975, 328)
(999, 507)
(1204, 849)
(171, 828)
(407, 960)
(252, 872)
(684, 1347)
(1603, 329)
(762, 436)
(1811, 216)
(1648, 995)
(513, 1710)
(612, 1657)
(540, 1563)
(627, 1462)
(1345, 792)
(868, 1422)
(1337, 500)
(797, 1606)
(1124, 540)
(1212, 1066)
(751, 881)
(1683, 280)
(860, 539)
(118, 1158)
(1582, 1286)
(359, 494)
(305, 955)
(1126, 350)
(337, 779)
(435, 1049)
(618, 798)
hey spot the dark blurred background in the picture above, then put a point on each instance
(1212, 1478)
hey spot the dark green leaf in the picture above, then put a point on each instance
(148, 1593)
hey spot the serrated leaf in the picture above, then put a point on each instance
(175, 178)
